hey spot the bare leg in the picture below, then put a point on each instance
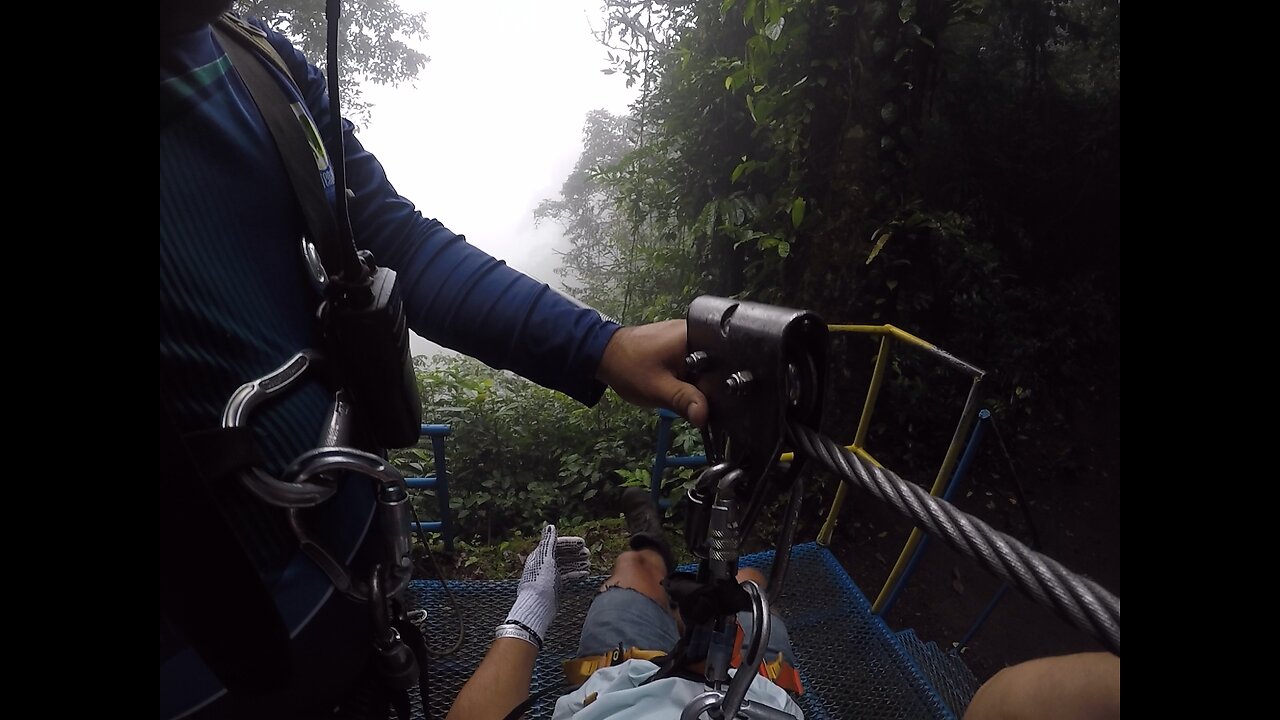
(642, 571)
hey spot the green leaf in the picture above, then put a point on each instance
(728, 82)
(751, 108)
(797, 212)
(907, 10)
(774, 29)
(784, 248)
(738, 171)
(927, 41)
(773, 9)
(884, 238)
(758, 58)
(725, 7)
(710, 211)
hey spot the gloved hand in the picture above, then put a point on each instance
(538, 596)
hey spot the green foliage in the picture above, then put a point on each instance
(618, 262)
(719, 173)
(949, 166)
(521, 455)
(601, 257)
(376, 37)
(606, 537)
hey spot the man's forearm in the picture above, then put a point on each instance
(499, 684)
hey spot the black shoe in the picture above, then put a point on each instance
(645, 525)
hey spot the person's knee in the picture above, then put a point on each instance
(644, 561)
(642, 571)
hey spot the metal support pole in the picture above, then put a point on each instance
(986, 613)
(859, 437)
(442, 491)
(975, 438)
(665, 417)
(948, 464)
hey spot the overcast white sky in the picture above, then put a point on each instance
(493, 124)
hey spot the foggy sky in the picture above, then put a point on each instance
(493, 124)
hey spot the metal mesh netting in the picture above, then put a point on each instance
(950, 677)
(852, 665)
(484, 604)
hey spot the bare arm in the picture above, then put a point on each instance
(1069, 687)
(502, 680)
(499, 684)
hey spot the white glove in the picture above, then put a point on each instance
(554, 560)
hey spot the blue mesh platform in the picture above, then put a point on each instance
(852, 665)
(948, 674)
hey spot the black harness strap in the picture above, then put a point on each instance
(244, 45)
(700, 603)
(221, 452)
(209, 588)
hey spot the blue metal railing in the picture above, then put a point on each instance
(962, 469)
(439, 481)
(662, 461)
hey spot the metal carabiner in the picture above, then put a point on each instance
(752, 652)
(312, 478)
(335, 433)
(700, 499)
(249, 395)
(392, 515)
(396, 661)
(236, 414)
(732, 702)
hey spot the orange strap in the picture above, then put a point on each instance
(577, 670)
(781, 672)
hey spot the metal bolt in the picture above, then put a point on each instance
(738, 382)
(696, 362)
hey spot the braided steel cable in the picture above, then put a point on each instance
(1079, 600)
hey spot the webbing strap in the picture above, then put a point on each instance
(244, 45)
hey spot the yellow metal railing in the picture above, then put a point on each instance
(888, 334)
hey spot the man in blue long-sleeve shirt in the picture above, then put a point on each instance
(236, 302)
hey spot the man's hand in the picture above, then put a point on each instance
(643, 364)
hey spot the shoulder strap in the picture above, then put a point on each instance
(252, 34)
(244, 45)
